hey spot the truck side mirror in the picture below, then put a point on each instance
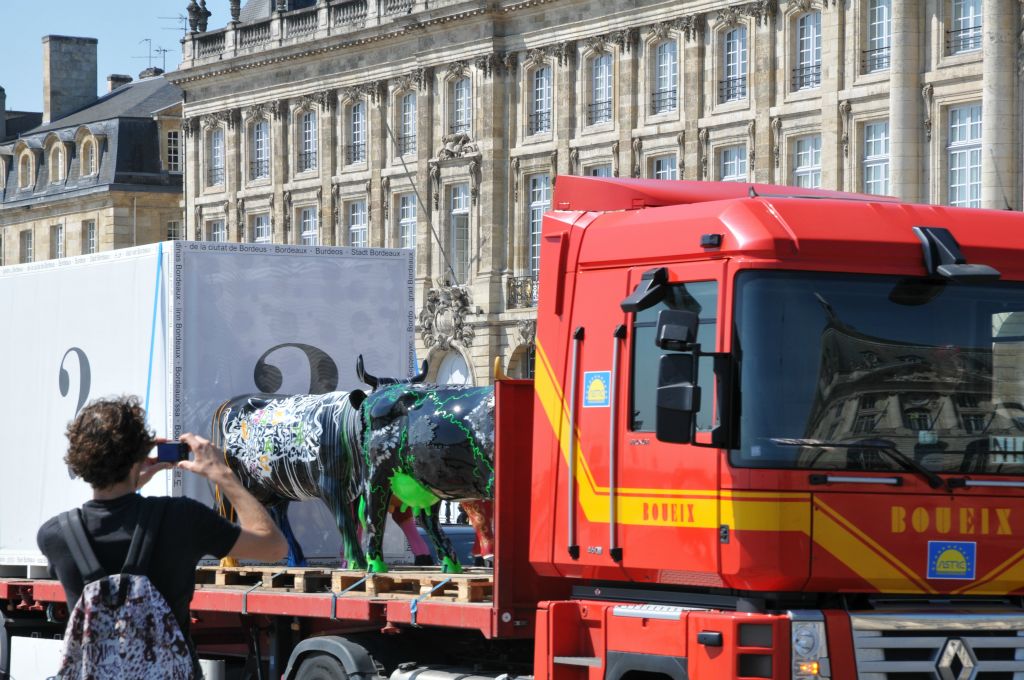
(678, 397)
(677, 330)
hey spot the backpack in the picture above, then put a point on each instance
(121, 626)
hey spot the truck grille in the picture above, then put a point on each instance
(948, 646)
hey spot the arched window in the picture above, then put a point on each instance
(461, 106)
(665, 77)
(356, 132)
(308, 141)
(56, 164)
(540, 100)
(454, 370)
(25, 171)
(259, 150)
(599, 107)
(407, 124)
(88, 158)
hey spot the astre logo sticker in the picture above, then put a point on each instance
(948, 559)
(596, 388)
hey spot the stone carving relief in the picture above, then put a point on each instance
(692, 26)
(526, 332)
(751, 138)
(728, 16)
(615, 159)
(566, 52)
(776, 138)
(763, 10)
(434, 169)
(443, 318)
(190, 125)
(553, 159)
(574, 161)
(702, 137)
(487, 64)
(927, 93)
(510, 60)
(457, 69)
(240, 218)
(636, 159)
(513, 172)
(336, 204)
(287, 213)
(385, 195)
(474, 180)
(661, 30)
(681, 143)
(457, 145)
(844, 113)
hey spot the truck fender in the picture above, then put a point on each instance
(357, 661)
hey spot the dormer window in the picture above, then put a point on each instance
(56, 164)
(88, 158)
(25, 171)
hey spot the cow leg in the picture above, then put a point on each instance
(279, 513)
(442, 546)
(404, 520)
(341, 508)
(378, 498)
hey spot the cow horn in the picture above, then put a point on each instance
(363, 375)
(499, 370)
(422, 375)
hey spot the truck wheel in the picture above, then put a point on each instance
(321, 667)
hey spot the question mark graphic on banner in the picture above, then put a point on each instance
(323, 372)
(84, 382)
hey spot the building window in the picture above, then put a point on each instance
(88, 158)
(174, 231)
(876, 158)
(307, 154)
(215, 156)
(965, 156)
(309, 227)
(663, 167)
(259, 165)
(540, 101)
(56, 164)
(261, 228)
(732, 163)
(807, 72)
(216, 230)
(879, 16)
(807, 162)
(357, 133)
(665, 94)
(733, 85)
(89, 237)
(357, 224)
(26, 246)
(965, 27)
(174, 151)
(56, 241)
(407, 221)
(461, 106)
(540, 203)
(25, 171)
(459, 232)
(407, 124)
(600, 108)
(603, 170)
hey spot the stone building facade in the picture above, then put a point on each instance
(443, 125)
(97, 173)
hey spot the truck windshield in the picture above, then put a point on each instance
(934, 369)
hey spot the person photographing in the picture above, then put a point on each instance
(101, 551)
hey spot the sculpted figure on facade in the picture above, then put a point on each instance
(443, 318)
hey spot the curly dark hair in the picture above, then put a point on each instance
(106, 439)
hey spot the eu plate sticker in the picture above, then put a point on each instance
(951, 559)
(596, 388)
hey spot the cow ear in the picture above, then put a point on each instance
(356, 398)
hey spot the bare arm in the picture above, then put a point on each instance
(260, 538)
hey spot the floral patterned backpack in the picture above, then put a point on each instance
(121, 626)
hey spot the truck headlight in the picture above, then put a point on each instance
(809, 645)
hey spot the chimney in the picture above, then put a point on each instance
(69, 75)
(3, 114)
(116, 80)
(151, 72)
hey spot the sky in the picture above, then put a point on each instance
(121, 26)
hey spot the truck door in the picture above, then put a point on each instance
(644, 506)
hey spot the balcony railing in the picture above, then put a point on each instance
(873, 61)
(963, 40)
(350, 13)
(260, 168)
(254, 36)
(540, 121)
(663, 101)
(732, 89)
(406, 144)
(210, 44)
(214, 176)
(522, 292)
(355, 153)
(389, 7)
(298, 25)
(599, 112)
(307, 160)
(805, 77)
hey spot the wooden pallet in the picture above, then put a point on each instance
(474, 585)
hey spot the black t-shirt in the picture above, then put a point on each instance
(188, 531)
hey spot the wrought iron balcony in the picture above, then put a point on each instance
(806, 77)
(307, 161)
(214, 176)
(355, 153)
(599, 112)
(540, 121)
(963, 40)
(406, 144)
(732, 89)
(873, 61)
(260, 168)
(522, 292)
(663, 101)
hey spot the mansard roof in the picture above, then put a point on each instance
(139, 99)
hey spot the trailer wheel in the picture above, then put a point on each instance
(321, 666)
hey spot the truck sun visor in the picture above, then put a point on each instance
(942, 257)
(648, 292)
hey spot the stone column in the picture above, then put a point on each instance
(327, 144)
(905, 114)
(761, 75)
(832, 61)
(999, 133)
(693, 91)
(376, 148)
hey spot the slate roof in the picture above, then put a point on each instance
(139, 99)
(19, 122)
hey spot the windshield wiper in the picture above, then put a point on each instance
(880, 445)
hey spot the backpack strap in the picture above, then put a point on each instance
(143, 539)
(77, 539)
